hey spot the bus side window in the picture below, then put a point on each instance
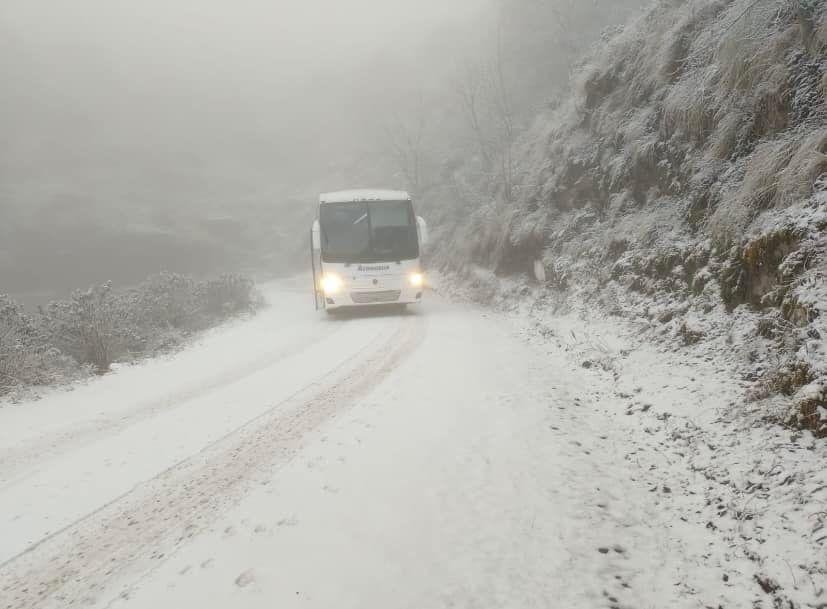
(422, 228)
(316, 233)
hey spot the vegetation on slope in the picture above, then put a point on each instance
(686, 172)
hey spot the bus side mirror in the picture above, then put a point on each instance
(315, 236)
(422, 229)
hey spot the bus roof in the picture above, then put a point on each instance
(349, 196)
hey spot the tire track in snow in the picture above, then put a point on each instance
(136, 531)
(16, 464)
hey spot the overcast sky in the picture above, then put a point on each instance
(201, 81)
(281, 37)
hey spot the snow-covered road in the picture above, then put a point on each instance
(424, 460)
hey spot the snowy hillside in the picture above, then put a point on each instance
(683, 183)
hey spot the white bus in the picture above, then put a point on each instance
(366, 249)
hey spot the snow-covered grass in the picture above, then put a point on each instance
(94, 328)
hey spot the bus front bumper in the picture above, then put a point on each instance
(366, 298)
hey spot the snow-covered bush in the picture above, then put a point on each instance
(18, 346)
(227, 295)
(165, 300)
(89, 326)
(95, 327)
(167, 306)
(26, 357)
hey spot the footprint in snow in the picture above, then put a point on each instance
(245, 579)
(625, 584)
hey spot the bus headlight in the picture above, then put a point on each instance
(416, 280)
(331, 284)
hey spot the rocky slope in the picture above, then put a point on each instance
(683, 184)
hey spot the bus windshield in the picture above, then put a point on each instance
(372, 231)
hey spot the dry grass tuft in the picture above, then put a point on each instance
(724, 142)
(779, 173)
(820, 32)
(752, 45)
(689, 107)
(757, 190)
(807, 163)
(771, 105)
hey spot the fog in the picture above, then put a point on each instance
(131, 98)
(195, 136)
(162, 113)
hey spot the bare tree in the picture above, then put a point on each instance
(505, 118)
(471, 89)
(486, 104)
(405, 139)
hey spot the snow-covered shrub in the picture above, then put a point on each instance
(95, 327)
(811, 407)
(88, 326)
(27, 357)
(690, 334)
(168, 305)
(19, 346)
(227, 295)
(165, 300)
